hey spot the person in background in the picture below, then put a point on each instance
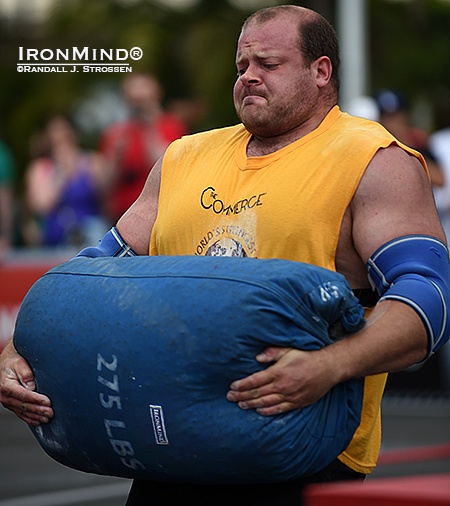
(132, 147)
(300, 180)
(65, 188)
(440, 147)
(7, 176)
(364, 106)
(394, 116)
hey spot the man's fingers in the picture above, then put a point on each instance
(16, 396)
(251, 391)
(31, 407)
(40, 407)
(262, 378)
(271, 354)
(31, 418)
(261, 402)
(240, 393)
(268, 405)
(27, 382)
(30, 413)
(276, 409)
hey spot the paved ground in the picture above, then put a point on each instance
(416, 441)
(28, 477)
(416, 437)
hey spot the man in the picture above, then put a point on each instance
(394, 116)
(297, 180)
(7, 175)
(132, 147)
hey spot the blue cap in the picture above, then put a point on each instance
(390, 101)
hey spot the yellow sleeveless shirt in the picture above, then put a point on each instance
(214, 200)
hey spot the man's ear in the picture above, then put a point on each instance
(322, 69)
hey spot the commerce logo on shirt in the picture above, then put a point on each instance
(210, 200)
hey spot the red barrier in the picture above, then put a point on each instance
(16, 278)
(424, 490)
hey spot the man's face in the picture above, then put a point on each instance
(141, 93)
(275, 90)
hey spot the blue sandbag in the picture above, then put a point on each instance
(137, 355)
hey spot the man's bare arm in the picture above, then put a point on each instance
(394, 199)
(136, 225)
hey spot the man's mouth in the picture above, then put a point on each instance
(252, 98)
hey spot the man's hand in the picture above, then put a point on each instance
(295, 380)
(17, 389)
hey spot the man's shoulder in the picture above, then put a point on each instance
(221, 132)
(362, 126)
(207, 143)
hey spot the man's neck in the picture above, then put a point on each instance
(260, 146)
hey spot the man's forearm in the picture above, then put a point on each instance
(393, 338)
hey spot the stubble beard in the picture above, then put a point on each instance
(266, 122)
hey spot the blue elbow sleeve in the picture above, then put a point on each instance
(111, 245)
(415, 270)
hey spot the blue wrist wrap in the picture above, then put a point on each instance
(415, 269)
(112, 245)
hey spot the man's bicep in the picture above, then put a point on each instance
(136, 224)
(394, 199)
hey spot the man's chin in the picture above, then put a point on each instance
(255, 124)
(259, 129)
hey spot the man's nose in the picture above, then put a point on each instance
(250, 76)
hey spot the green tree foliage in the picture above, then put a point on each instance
(192, 52)
(410, 48)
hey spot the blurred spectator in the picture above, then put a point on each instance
(64, 188)
(7, 177)
(364, 107)
(440, 146)
(394, 116)
(133, 146)
(190, 111)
